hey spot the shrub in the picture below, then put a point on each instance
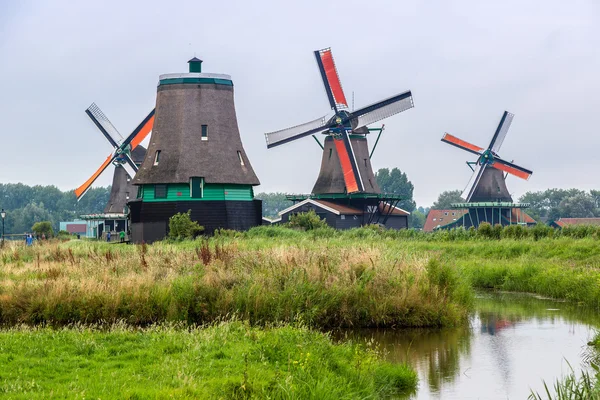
(485, 230)
(43, 227)
(182, 227)
(307, 221)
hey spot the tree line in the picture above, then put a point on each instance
(26, 205)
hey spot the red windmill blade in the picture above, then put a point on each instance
(120, 150)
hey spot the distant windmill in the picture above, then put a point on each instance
(127, 151)
(345, 166)
(487, 198)
(488, 181)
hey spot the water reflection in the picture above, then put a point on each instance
(513, 342)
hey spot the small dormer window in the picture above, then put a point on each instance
(204, 132)
(240, 157)
(157, 157)
(445, 213)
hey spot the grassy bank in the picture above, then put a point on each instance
(324, 283)
(357, 278)
(225, 360)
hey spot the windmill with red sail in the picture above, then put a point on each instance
(346, 175)
(346, 164)
(127, 155)
(486, 194)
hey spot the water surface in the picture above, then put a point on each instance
(512, 344)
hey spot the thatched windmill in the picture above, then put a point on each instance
(195, 160)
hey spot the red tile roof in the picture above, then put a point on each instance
(522, 215)
(577, 221)
(339, 207)
(395, 211)
(437, 218)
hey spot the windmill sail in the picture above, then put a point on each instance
(501, 131)
(331, 79)
(383, 109)
(295, 132)
(472, 185)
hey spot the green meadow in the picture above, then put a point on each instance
(243, 315)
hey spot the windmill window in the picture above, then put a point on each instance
(240, 157)
(157, 157)
(160, 191)
(330, 152)
(127, 195)
(139, 192)
(204, 132)
(365, 162)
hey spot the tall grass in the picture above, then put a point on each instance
(224, 360)
(323, 283)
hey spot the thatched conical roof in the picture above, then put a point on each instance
(184, 104)
(491, 187)
(331, 177)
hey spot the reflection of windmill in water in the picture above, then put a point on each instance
(346, 176)
(127, 156)
(487, 197)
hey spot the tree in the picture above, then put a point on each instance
(396, 182)
(43, 228)
(417, 219)
(273, 203)
(445, 199)
(182, 227)
(581, 205)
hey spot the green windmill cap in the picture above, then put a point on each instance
(195, 65)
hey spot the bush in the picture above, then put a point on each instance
(182, 227)
(43, 227)
(307, 221)
(485, 230)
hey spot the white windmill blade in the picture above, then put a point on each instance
(104, 124)
(295, 132)
(470, 188)
(382, 109)
(501, 131)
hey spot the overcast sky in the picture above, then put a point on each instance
(465, 62)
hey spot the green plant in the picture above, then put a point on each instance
(182, 227)
(43, 227)
(307, 221)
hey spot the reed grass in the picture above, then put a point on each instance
(325, 283)
(229, 360)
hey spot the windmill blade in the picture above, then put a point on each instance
(331, 79)
(470, 189)
(103, 123)
(131, 163)
(511, 168)
(382, 109)
(80, 191)
(296, 132)
(501, 131)
(345, 152)
(461, 144)
(140, 133)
